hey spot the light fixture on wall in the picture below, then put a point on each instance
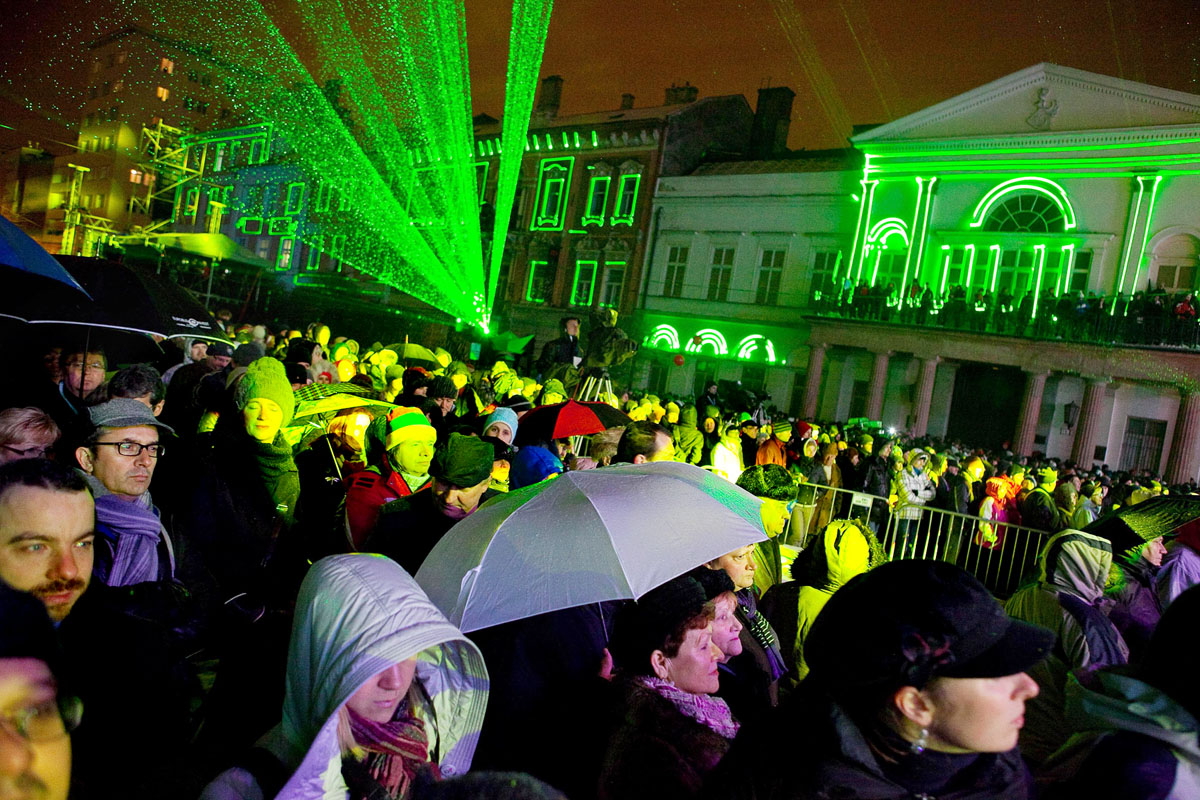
(1070, 416)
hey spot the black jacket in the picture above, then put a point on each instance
(563, 350)
(408, 529)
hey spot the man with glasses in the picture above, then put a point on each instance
(118, 461)
(36, 717)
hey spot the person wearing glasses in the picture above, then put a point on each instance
(36, 715)
(118, 461)
(26, 433)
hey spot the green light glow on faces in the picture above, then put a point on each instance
(1049, 188)
(710, 338)
(664, 336)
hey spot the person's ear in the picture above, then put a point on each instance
(659, 662)
(914, 705)
(84, 457)
(158, 407)
(639, 459)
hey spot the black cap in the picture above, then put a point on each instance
(714, 582)
(219, 349)
(908, 621)
(644, 627)
(463, 461)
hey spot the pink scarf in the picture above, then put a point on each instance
(395, 750)
(712, 712)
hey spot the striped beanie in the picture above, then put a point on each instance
(405, 423)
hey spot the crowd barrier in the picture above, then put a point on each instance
(1001, 555)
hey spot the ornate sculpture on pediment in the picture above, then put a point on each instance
(1044, 110)
(617, 245)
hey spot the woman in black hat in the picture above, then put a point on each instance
(917, 688)
(672, 731)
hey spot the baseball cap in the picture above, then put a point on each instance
(125, 412)
(906, 622)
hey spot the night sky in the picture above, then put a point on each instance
(881, 59)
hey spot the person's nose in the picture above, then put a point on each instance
(390, 677)
(715, 652)
(1029, 688)
(736, 626)
(144, 458)
(16, 756)
(64, 567)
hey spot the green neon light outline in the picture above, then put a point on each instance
(283, 262)
(886, 228)
(1110, 162)
(593, 216)
(579, 262)
(540, 221)
(1040, 249)
(916, 220)
(243, 225)
(664, 333)
(708, 336)
(1038, 149)
(1065, 265)
(970, 259)
(533, 265)
(1137, 210)
(337, 247)
(749, 345)
(280, 226)
(624, 265)
(1056, 193)
(945, 269)
(595, 140)
(622, 185)
(994, 265)
(296, 187)
(924, 232)
(482, 183)
(875, 269)
(1137, 269)
(575, 135)
(313, 263)
(858, 247)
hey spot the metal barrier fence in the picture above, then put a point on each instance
(1001, 555)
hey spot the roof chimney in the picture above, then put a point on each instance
(626, 101)
(681, 94)
(772, 118)
(550, 96)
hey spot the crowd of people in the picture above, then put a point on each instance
(1145, 317)
(206, 582)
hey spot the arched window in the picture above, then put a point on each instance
(1026, 213)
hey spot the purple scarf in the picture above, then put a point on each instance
(711, 712)
(131, 532)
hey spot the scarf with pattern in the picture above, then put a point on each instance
(395, 750)
(711, 712)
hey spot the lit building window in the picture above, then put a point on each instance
(284, 262)
(167, 66)
(627, 190)
(554, 181)
(162, 93)
(585, 283)
(541, 280)
(135, 176)
(597, 199)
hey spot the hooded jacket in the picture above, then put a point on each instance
(1073, 570)
(1180, 569)
(847, 553)
(1134, 742)
(727, 457)
(914, 488)
(689, 441)
(357, 615)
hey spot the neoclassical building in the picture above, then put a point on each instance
(1046, 190)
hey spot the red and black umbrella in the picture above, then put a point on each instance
(572, 418)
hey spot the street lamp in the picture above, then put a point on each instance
(1070, 415)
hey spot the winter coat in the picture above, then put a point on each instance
(1136, 609)
(366, 494)
(1180, 570)
(563, 350)
(834, 759)
(877, 477)
(1085, 514)
(1039, 511)
(689, 441)
(657, 752)
(1135, 742)
(727, 460)
(825, 498)
(408, 529)
(1066, 599)
(847, 554)
(356, 616)
(914, 488)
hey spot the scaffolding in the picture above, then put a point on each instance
(96, 229)
(169, 166)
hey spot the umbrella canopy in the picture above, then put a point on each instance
(314, 391)
(335, 402)
(407, 351)
(572, 418)
(19, 251)
(586, 537)
(1133, 526)
(135, 299)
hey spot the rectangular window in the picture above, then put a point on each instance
(770, 274)
(295, 196)
(554, 183)
(1081, 269)
(720, 274)
(323, 191)
(614, 284)
(219, 157)
(314, 254)
(284, 261)
(585, 283)
(627, 189)
(280, 226)
(250, 225)
(167, 66)
(676, 269)
(191, 201)
(135, 176)
(162, 93)
(541, 281)
(337, 248)
(1143, 444)
(824, 274)
(263, 248)
(597, 199)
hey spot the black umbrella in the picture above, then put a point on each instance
(135, 299)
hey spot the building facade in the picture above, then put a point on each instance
(1016, 252)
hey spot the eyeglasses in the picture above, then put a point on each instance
(134, 449)
(94, 366)
(27, 452)
(46, 721)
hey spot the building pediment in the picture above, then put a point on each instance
(1042, 99)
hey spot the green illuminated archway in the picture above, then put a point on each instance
(887, 228)
(748, 346)
(664, 336)
(708, 338)
(1056, 193)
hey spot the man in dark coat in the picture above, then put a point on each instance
(409, 528)
(1038, 509)
(183, 409)
(564, 349)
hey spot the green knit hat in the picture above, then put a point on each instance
(267, 378)
(403, 423)
(769, 481)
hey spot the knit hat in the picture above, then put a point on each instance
(769, 481)
(642, 628)
(715, 582)
(781, 427)
(404, 423)
(505, 416)
(267, 378)
(246, 354)
(415, 378)
(830, 450)
(441, 386)
(220, 349)
(464, 461)
(517, 403)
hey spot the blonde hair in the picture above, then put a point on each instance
(20, 424)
